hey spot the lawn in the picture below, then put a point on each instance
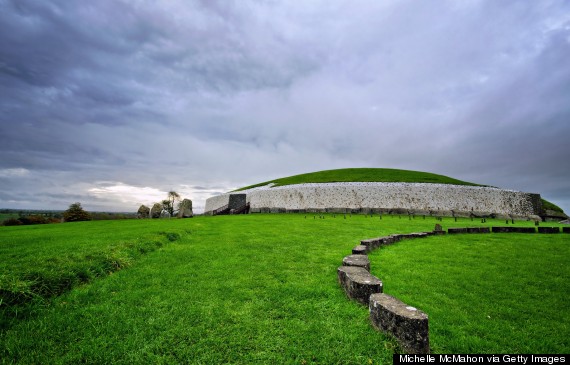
(484, 293)
(226, 289)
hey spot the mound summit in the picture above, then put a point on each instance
(381, 191)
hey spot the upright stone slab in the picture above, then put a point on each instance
(548, 230)
(371, 243)
(358, 284)
(478, 230)
(565, 229)
(357, 260)
(143, 212)
(407, 324)
(156, 210)
(185, 210)
(513, 230)
(456, 230)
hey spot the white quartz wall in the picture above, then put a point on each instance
(216, 202)
(410, 196)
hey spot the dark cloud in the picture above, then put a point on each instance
(108, 101)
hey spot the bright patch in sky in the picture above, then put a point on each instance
(129, 194)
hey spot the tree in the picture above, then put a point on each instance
(172, 197)
(75, 213)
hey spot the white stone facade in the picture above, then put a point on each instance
(415, 198)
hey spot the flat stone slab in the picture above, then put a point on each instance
(358, 284)
(513, 230)
(407, 324)
(415, 235)
(360, 250)
(370, 243)
(456, 230)
(357, 260)
(478, 230)
(548, 230)
(470, 230)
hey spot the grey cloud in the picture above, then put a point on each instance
(215, 95)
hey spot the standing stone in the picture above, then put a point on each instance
(155, 210)
(185, 209)
(143, 211)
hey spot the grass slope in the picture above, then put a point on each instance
(364, 175)
(41, 261)
(254, 289)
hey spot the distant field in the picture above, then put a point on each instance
(4, 216)
(251, 289)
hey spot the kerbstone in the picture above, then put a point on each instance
(407, 324)
(358, 284)
(357, 260)
(360, 250)
(548, 230)
(513, 230)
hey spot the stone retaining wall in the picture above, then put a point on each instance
(388, 198)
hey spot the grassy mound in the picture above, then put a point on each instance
(375, 175)
(550, 206)
(364, 175)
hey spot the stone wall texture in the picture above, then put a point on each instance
(398, 198)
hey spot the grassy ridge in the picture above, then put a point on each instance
(239, 289)
(43, 261)
(364, 175)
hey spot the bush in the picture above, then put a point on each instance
(12, 222)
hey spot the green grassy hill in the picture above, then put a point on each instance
(364, 175)
(375, 175)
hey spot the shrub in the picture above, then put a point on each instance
(12, 222)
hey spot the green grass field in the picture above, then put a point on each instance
(263, 289)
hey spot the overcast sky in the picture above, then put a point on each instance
(114, 103)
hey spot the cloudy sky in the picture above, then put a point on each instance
(114, 103)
